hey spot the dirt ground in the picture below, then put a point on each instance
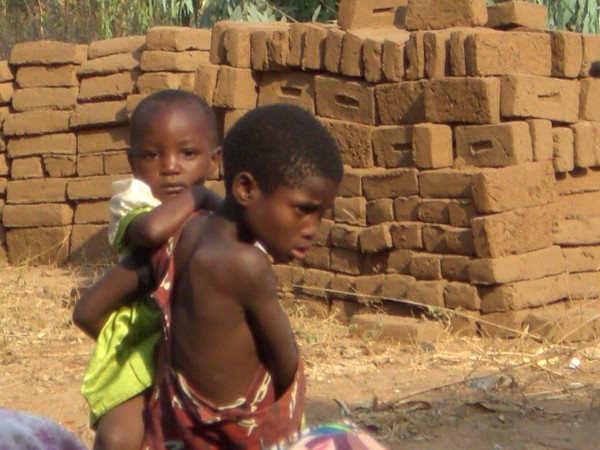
(455, 394)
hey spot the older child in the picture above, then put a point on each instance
(229, 373)
(173, 149)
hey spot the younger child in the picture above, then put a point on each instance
(229, 372)
(173, 149)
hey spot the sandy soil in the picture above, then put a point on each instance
(454, 394)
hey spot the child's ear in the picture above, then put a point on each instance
(215, 160)
(244, 188)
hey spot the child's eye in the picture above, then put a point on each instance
(148, 154)
(306, 209)
(189, 152)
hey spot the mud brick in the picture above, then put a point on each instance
(591, 52)
(436, 14)
(47, 76)
(40, 245)
(574, 232)
(95, 141)
(270, 49)
(345, 236)
(464, 324)
(582, 259)
(36, 122)
(231, 116)
(407, 235)
(352, 211)
(376, 238)
(517, 14)
(318, 258)
(218, 53)
(89, 243)
(390, 183)
(110, 87)
(586, 144)
(288, 276)
(42, 215)
(524, 294)
(108, 65)
(91, 188)
(205, 83)
(406, 330)
(297, 43)
(414, 53)
(4, 113)
(520, 231)
(463, 100)
(317, 279)
(116, 163)
(345, 100)
(580, 180)
(432, 146)
(455, 267)
(99, 113)
(526, 266)
(178, 39)
(507, 324)
(462, 296)
(59, 166)
(351, 185)
(395, 287)
(6, 73)
(507, 52)
(461, 212)
(371, 13)
(447, 239)
(380, 211)
(343, 286)
(7, 91)
(313, 53)
(63, 143)
(91, 212)
(392, 146)
(158, 81)
(457, 43)
(47, 52)
(236, 88)
(427, 293)
(425, 267)
(120, 45)
(498, 190)
(540, 98)
(333, 50)
(164, 61)
(393, 56)
(565, 325)
(446, 183)
(590, 90)
(346, 261)
(564, 149)
(584, 286)
(47, 190)
(323, 237)
(399, 260)
(4, 171)
(25, 168)
(296, 88)
(44, 98)
(433, 211)
(401, 103)
(407, 208)
(541, 139)
(88, 165)
(354, 141)
(132, 101)
(368, 285)
(578, 206)
(372, 59)
(567, 54)
(436, 47)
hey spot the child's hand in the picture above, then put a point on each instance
(204, 198)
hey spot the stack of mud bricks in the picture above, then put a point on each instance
(469, 137)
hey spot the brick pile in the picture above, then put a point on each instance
(469, 135)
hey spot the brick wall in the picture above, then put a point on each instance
(472, 152)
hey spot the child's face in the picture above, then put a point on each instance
(175, 150)
(287, 220)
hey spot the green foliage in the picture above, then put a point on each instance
(573, 15)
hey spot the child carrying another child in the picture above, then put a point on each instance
(173, 149)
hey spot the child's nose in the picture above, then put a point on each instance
(312, 227)
(169, 164)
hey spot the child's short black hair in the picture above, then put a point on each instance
(280, 145)
(169, 96)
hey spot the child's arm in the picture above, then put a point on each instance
(269, 324)
(151, 229)
(108, 294)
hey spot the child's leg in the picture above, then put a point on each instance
(122, 428)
